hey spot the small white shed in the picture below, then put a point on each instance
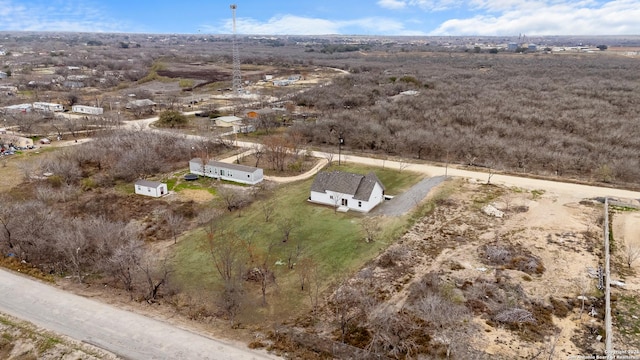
(150, 188)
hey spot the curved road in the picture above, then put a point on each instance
(126, 334)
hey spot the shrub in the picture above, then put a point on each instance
(172, 118)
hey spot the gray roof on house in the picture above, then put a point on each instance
(359, 186)
(149, 183)
(220, 164)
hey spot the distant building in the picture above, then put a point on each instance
(227, 121)
(243, 128)
(47, 106)
(73, 84)
(512, 46)
(90, 110)
(150, 188)
(231, 172)
(3, 75)
(140, 103)
(532, 48)
(19, 108)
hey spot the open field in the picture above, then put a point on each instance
(334, 242)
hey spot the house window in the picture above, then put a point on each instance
(221, 172)
(248, 176)
(359, 203)
(331, 197)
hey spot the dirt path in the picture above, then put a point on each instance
(126, 334)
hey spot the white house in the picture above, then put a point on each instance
(84, 109)
(231, 172)
(3, 75)
(347, 191)
(47, 106)
(227, 121)
(150, 188)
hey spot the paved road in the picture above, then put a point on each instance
(126, 334)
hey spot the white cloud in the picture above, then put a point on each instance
(426, 5)
(392, 4)
(75, 15)
(298, 25)
(508, 17)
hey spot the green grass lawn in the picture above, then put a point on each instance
(335, 241)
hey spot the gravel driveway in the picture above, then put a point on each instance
(406, 201)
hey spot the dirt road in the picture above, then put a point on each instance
(577, 191)
(126, 334)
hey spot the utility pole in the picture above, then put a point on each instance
(340, 143)
(236, 83)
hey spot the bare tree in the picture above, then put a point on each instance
(371, 227)
(175, 222)
(631, 252)
(329, 156)
(233, 199)
(258, 153)
(74, 246)
(402, 165)
(346, 305)
(155, 272)
(262, 271)
(268, 208)
(337, 201)
(286, 226)
(228, 254)
(277, 150)
(125, 261)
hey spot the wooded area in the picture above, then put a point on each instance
(569, 115)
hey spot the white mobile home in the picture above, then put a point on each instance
(150, 188)
(231, 172)
(47, 106)
(347, 191)
(20, 108)
(90, 110)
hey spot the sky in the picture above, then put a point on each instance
(323, 17)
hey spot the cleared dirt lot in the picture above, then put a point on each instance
(560, 234)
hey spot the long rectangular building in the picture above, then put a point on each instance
(84, 109)
(231, 172)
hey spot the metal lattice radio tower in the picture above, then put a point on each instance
(236, 76)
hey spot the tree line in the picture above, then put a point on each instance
(565, 115)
